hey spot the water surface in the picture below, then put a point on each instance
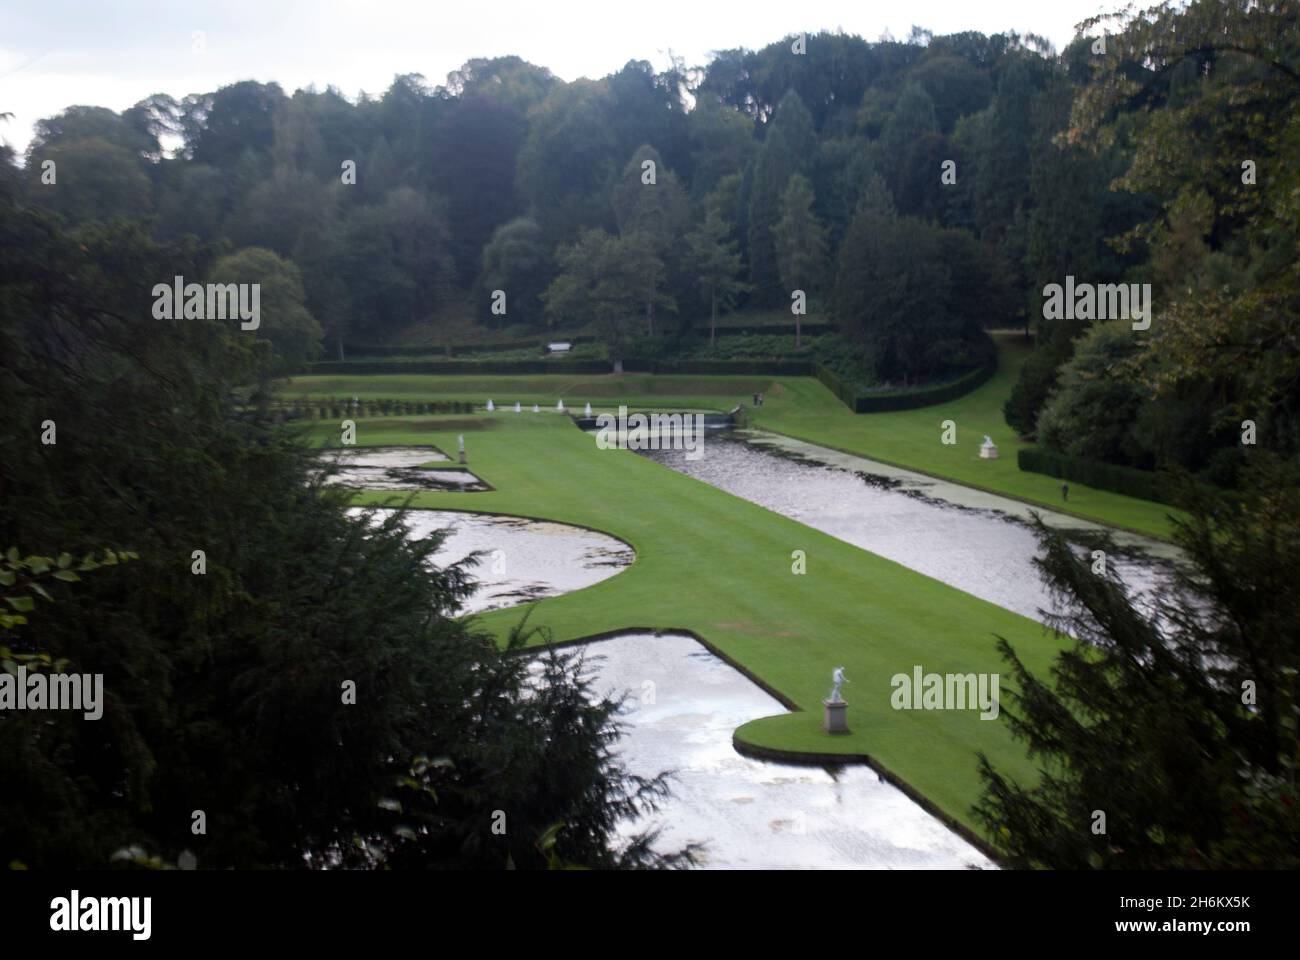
(683, 705)
(983, 545)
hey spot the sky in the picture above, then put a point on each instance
(114, 53)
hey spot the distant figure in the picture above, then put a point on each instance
(837, 680)
(755, 399)
(1065, 492)
(760, 399)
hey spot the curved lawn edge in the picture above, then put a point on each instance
(518, 516)
(748, 748)
(771, 625)
(807, 758)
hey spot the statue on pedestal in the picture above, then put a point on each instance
(837, 679)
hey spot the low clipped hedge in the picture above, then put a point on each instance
(456, 367)
(926, 396)
(787, 368)
(1143, 484)
(376, 351)
(775, 368)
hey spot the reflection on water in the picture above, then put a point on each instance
(399, 468)
(983, 551)
(683, 704)
(523, 559)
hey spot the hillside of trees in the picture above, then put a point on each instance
(916, 192)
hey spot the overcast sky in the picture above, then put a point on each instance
(113, 53)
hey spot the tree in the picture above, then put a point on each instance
(1096, 401)
(568, 160)
(800, 244)
(227, 691)
(891, 297)
(717, 266)
(599, 284)
(650, 208)
(292, 331)
(516, 261)
(94, 179)
(1176, 718)
(786, 150)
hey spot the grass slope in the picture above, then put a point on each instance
(721, 567)
(803, 408)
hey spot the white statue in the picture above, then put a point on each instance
(560, 406)
(490, 406)
(587, 411)
(535, 408)
(988, 441)
(516, 406)
(837, 679)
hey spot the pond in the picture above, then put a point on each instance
(400, 468)
(977, 542)
(524, 559)
(683, 705)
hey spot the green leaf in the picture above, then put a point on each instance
(7, 578)
(38, 565)
(12, 555)
(21, 604)
(67, 575)
(40, 591)
(65, 561)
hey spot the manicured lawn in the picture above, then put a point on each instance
(721, 567)
(803, 408)
(800, 407)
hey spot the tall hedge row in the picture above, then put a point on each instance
(1143, 484)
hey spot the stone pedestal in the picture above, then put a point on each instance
(460, 457)
(835, 718)
(989, 451)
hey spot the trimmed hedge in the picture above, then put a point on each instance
(1143, 484)
(774, 368)
(456, 367)
(927, 396)
(787, 368)
(367, 351)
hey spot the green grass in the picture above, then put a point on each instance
(799, 407)
(805, 409)
(602, 391)
(721, 567)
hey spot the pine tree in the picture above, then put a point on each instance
(800, 244)
(1175, 719)
(717, 266)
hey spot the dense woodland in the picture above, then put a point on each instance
(773, 171)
